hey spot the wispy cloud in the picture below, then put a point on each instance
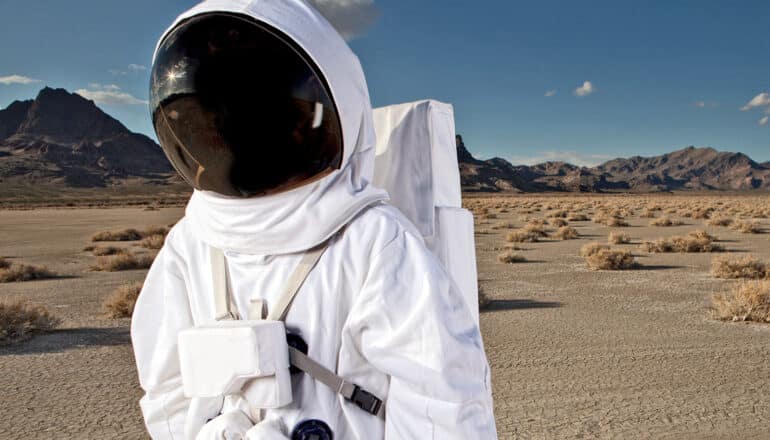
(131, 68)
(705, 104)
(17, 79)
(760, 100)
(574, 157)
(549, 93)
(351, 18)
(109, 94)
(586, 89)
(764, 120)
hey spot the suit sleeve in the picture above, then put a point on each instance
(161, 311)
(416, 327)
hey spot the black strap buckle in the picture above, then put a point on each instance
(366, 400)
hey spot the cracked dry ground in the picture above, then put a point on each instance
(574, 353)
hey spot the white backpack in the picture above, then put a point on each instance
(417, 164)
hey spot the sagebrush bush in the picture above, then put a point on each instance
(153, 241)
(747, 301)
(510, 257)
(611, 259)
(689, 244)
(4, 264)
(566, 233)
(535, 228)
(730, 267)
(130, 234)
(720, 221)
(558, 222)
(126, 261)
(522, 236)
(665, 221)
(19, 321)
(577, 217)
(619, 238)
(23, 272)
(747, 227)
(120, 304)
(101, 251)
(124, 235)
(591, 248)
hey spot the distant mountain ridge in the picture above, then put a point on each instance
(698, 169)
(61, 138)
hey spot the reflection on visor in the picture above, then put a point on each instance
(240, 109)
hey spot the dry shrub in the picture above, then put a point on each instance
(592, 248)
(747, 227)
(665, 221)
(153, 241)
(689, 244)
(100, 251)
(619, 238)
(522, 236)
(124, 235)
(130, 234)
(578, 218)
(558, 214)
(155, 230)
(504, 225)
(120, 304)
(127, 261)
(748, 301)
(611, 259)
(489, 216)
(19, 321)
(510, 257)
(720, 221)
(24, 272)
(4, 264)
(647, 213)
(558, 222)
(616, 222)
(536, 229)
(732, 268)
(567, 233)
(701, 234)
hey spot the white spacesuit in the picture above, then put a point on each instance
(377, 309)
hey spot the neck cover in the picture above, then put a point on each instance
(299, 219)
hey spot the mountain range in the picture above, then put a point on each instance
(62, 141)
(691, 168)
(65, 140)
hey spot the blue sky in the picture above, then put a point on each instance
(663, 74)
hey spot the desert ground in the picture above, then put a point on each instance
(575, 352)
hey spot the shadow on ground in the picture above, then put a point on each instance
(518, 304)
(67, 339)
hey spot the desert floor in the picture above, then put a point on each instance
(574, 353)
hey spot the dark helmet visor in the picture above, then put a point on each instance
(240, 109)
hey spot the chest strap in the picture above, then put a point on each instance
(225, 310)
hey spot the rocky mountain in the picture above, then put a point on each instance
(63, 139)
(691, 168)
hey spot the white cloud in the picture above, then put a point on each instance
(760, 100)
(109, 94)
(351, 18)
(705, 104)
(586, 89)
(764, 120)
(17, 79)
(573, 157)
(131, 68)
(549, 93)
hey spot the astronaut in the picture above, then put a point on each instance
(264, 110)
